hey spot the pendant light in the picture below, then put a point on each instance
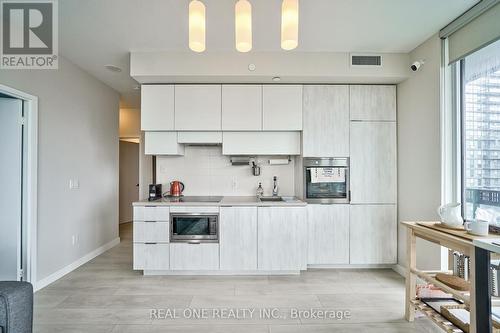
(289, 24)
(243, 25)
(197, 26)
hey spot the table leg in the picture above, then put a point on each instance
(411, 280)
(480, 295)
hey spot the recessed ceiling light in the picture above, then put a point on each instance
(113, 68)
(251, 67)
(276, 79)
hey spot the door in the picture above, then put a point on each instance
(198, 107)
(373, 234)
(282, 108)
(373, 162)
(373, 102)
(241, 107)
(282, 238)
(328, 234)
(157, 107)
(12, 249)
(238, 238)
(129, 179)
(326, 121)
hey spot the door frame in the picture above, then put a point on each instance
(30, 105)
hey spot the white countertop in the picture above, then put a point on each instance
(486, 244)
(228, 201)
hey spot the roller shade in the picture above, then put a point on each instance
(478, 33)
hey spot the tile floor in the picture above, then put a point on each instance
(107, 296)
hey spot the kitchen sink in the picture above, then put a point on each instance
(264, 199)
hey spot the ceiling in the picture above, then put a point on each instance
(94, 33)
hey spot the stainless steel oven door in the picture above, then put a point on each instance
(194, 228)
(326, 180)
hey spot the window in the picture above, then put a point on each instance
(479, 91)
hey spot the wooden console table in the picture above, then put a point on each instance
(478, 299)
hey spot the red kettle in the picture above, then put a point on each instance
(176, 188)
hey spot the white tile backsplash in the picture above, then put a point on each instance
(205, 171)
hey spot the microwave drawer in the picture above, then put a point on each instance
(151, 231)
(151, 213)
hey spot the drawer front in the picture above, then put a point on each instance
(151, 213)
(151, 232)
(151, 256)
(192, 257)
(194, 209)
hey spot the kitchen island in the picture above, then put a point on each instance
(232, 235)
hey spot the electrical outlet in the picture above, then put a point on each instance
(74, 184)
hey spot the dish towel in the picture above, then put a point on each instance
(327, 175)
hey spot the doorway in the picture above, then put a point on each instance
(129, 179)
(18, 176)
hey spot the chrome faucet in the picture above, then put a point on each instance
(275, 186)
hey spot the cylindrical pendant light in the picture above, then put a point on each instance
(289, 24)
(197, 26)
(243, 25)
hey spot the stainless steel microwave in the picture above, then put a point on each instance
(194, 227)
(326, 180)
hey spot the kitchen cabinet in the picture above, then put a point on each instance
(373, 162)
(199, 137)
(162, 143)
(328, 234)
(282, 240)
(373, 102)
(151, 232)
(194, 257)
(282, 107)
(198, 107)
(152, 213)
(373, 234)
(242, 107)
(151, 256)
(157, 107)
(261, 143)
(238, 238)
(326, 121)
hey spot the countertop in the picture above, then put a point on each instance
(228, 201)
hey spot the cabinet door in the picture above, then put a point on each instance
(162, 143)
(373, 234)
(328, 234)
(241, 107)
(282, 242)
(194, 257)
(373, 162)
(151, 256)
(326, 121)
(238, 238)
(151, 232)
(282, 107)
(373, 102)
(261, 143)
(198, 107)
(157, 107)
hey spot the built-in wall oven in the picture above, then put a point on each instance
(194, 227)
(326, 180)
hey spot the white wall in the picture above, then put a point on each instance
(205, 171)
(77, 138)
(130, 123)
(419, 178)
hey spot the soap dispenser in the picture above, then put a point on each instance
(260, 191)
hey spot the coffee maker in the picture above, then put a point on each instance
(154, 192)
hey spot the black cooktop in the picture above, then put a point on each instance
(182, 198)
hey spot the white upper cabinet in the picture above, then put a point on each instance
(198, 107)
(261, 143)
(326, 121)
(157, 107)
(282, 107)
(241, 107)
(162, 143)
(373, 162)
(370, 102)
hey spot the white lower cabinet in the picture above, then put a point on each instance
(328, 242)
(238, 238)
(151, 256)
(282, 242)
(194, 257)
(373, 234)
(151, 232)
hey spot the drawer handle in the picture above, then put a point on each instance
(194, 242)
(149, 221)
(150, 243)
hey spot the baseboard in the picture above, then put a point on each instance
(74, 265)
(401, 270)
(350, 266)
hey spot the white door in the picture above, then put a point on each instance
(157, 107)
(11, 245)
(241, 107)
(326, 121)
(282, 108)
(373, 102)
(129, 179)
(238, 238)
(328, 234)
(198, 107)
(373, 162)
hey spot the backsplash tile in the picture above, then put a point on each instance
(205, 171)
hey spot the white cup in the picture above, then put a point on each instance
(477, 227)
